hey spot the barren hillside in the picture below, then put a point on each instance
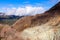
(44, 26)
(51, 15)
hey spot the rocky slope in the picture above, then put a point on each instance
(44, 26)
(39, 19)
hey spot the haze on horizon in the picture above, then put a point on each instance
(26, 7)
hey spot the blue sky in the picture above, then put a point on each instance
(14, 5)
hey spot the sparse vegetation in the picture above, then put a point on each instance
(8, 21)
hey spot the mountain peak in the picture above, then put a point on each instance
(55, 10)
(55, 7)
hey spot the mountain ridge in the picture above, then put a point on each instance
(38, 19)
(44, 26)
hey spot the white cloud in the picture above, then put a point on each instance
(20, 11)
(10, 11)
(27, 10)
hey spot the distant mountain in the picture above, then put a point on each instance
(8, 19)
